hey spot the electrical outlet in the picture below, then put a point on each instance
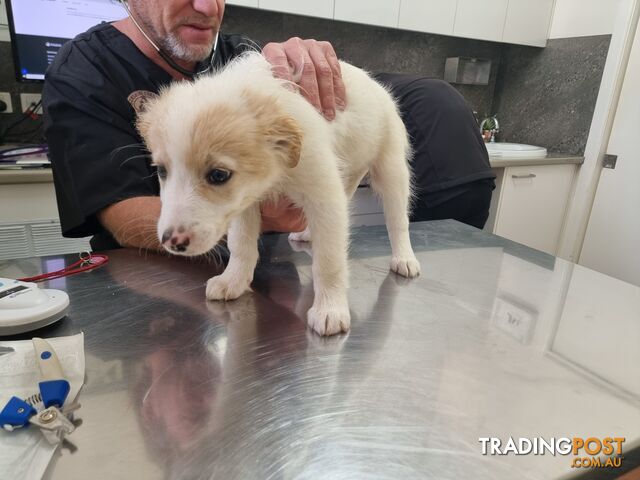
(26, 99)
(6, 98)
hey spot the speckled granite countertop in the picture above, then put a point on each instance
(550, 159)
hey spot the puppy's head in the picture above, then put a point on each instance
(215, 158)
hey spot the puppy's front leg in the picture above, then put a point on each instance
(328, 221)
(242, 240)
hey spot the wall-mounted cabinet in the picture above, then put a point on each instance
(372, 12)
(481, 20)
(523, 22)
(317, 8)
(528, 22)
(434, 16)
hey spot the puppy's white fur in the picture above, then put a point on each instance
(245, 121)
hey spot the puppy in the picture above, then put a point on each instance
(225, 142)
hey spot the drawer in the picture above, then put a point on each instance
(532, 205)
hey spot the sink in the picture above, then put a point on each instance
(520, 150)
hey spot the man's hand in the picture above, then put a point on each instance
(317, 66)
(282, 216)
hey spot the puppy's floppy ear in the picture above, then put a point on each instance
(286, 137)
(141, 100)
(280, 130)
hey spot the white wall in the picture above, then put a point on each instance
(612, 238)
(581, 18)
(577, 218)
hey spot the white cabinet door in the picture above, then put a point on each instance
(243, 3)
(374, 12)
(433, 16)
(532, 205)
(482, 20)
(528, 22)
(315, 8)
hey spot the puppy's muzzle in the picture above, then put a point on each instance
(176, 240)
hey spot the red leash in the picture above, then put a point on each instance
(87, 262)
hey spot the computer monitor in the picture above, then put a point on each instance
(39, 28)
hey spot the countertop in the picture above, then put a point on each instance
(25, 175)
(493, 340)
(550, 159)
(44, 175)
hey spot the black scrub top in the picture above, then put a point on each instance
(97, 156)
(449, 154)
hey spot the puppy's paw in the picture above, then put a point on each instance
(223, 287)
(406, 266)
(329, 320)
(304, 236)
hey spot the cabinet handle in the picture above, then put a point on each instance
(528, 175)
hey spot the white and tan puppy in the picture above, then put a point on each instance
(230, 140)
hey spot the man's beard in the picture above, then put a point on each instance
(173, 45)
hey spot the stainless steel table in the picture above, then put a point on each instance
(493, 340)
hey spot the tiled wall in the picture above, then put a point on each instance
(548, 96)
(377, 49)
(542, 96)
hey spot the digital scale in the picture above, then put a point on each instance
(25, 307)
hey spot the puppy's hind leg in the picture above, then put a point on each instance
(242, 240)
(391, 179)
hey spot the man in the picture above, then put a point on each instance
(451, 172)
(104, 183)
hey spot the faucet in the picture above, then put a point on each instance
(491, 125)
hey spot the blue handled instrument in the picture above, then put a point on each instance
(54, 388)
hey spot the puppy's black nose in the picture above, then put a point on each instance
(176, 240)
(181, 247)
(167, 235)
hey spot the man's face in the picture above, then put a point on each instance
(186, 29)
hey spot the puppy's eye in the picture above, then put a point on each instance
(218, 176)
(162, 172)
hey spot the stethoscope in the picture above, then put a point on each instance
(165, 56)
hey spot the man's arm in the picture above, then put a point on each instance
(133, 222)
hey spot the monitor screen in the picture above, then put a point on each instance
(40, 27)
